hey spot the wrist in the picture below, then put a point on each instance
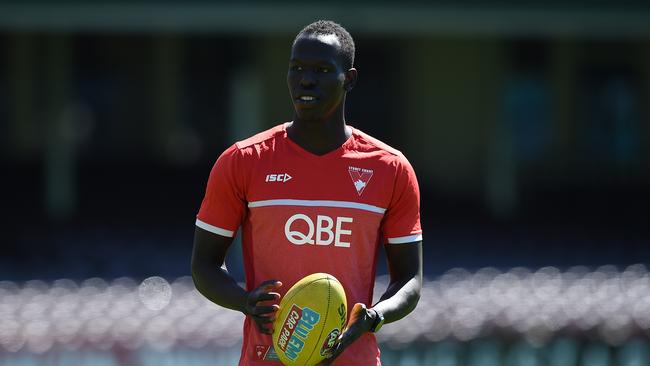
(377, 320)
(243, 303)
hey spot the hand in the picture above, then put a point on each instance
(258, 308)
(361, 319)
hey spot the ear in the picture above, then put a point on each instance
(351, 77)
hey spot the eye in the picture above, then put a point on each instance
(325, 69)
(295, 68)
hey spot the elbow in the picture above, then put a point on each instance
(414, 299)
(414, 294)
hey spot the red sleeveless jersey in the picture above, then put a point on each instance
(302, 213)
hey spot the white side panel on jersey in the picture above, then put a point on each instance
(213, 229)
(322, 203)
(405, 239)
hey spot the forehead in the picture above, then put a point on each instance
(314, 48)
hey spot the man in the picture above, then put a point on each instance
(312, 195)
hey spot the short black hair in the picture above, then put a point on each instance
(324, 27)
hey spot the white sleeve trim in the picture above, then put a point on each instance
(405, 239)
(214, 229)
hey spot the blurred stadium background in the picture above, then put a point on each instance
(526, 121)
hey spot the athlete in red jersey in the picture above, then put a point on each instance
(312, 195)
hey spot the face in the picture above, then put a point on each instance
(317, 79)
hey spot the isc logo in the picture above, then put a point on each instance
(284, 177)
(324, 231)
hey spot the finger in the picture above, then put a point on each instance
(351, 334)
(264, 324)
(334, 354)
(261, 310)
(264, 288)
(346, 340)
(269, 285)
(264, 319)
(329, 358)
(265, 330)
(266, 296)
(261, 326)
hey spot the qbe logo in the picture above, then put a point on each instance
(324, 231)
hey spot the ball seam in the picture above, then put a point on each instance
(322, 328)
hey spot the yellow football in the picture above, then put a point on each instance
(311, 317)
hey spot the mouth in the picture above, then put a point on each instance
(306, 99)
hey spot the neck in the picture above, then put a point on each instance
(319, 136)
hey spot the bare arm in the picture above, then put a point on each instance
(403, 292)
(215, 283)
(210, 276)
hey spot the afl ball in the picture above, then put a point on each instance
(312, 315)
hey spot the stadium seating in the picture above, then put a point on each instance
(516, 315)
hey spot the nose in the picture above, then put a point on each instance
(307, 79)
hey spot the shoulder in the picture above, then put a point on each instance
(384, 154)
(365, 143)
(261, 138)
(252, 148)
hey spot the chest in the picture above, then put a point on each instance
(353, 178)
